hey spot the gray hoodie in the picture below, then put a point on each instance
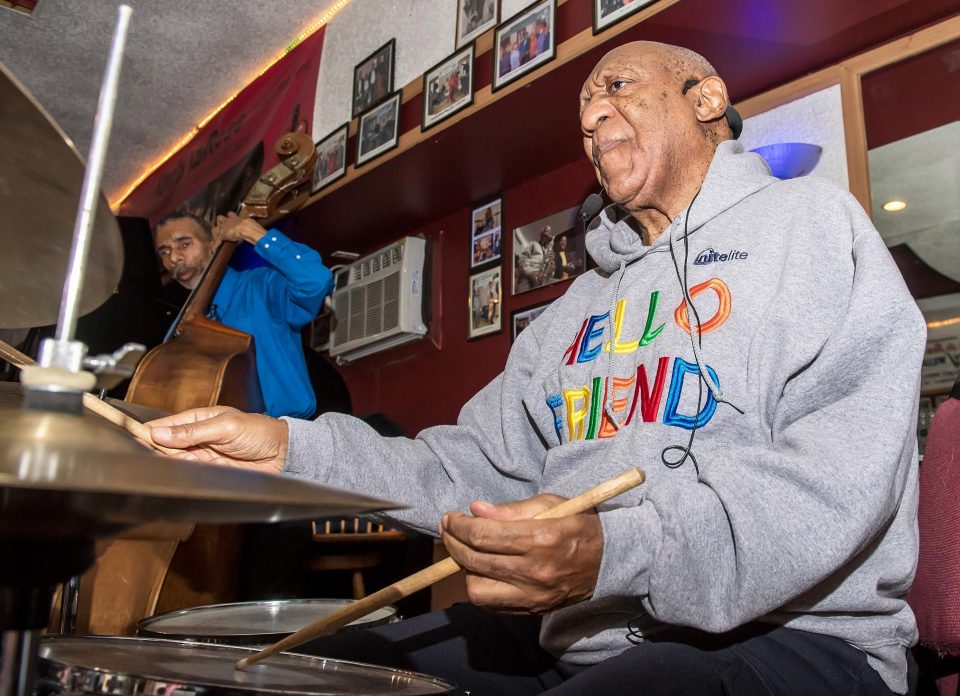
(799, 511)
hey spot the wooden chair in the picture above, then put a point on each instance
(353, 544)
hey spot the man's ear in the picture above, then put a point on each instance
(712, 100)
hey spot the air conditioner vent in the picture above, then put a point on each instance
(381, 303)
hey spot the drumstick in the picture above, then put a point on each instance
(438, 571)
(98, 406)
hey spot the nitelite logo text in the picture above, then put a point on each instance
(708, 256)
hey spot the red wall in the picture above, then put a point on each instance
(426, 383)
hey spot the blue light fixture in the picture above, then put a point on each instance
(790, 160)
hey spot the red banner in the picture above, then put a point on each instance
(214, 171)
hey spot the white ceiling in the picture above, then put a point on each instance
(924, 172)
(183, 58)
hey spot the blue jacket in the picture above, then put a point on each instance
(272, 303)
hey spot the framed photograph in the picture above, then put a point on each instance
(474, 17)
(373, 78)
(331, 158)
(524, 42)
(447, 87)
(378, 130)
(484, 303)
(486, 233)
(521, 318)
(548, 251)
(606, 13)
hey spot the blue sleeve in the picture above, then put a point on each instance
(302, 282)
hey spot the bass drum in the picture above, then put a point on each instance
(136, 666)
(253, 623)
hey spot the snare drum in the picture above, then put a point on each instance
(78, 666)
(252, 623)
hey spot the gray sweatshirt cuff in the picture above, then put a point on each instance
(306, 441)
(631, 537)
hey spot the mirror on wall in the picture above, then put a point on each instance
(912, 117)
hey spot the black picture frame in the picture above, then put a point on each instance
(486, 234)
(509, 33)
(606, 13)
(467, 32)
(333, 144)
(525, 313)
(435, 92)
(480, 302)
(376, 144)
(379, 67)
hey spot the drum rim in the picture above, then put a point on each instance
(144, 630)
(105, 684)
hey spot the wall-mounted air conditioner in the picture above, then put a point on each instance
(378, 301)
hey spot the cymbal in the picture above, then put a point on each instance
(41, 175)
(65, 476)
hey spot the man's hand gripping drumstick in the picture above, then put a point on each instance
(512, 561)
(438, 571)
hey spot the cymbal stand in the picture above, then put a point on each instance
(31, 567)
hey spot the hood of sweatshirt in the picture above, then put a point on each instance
(733, 175)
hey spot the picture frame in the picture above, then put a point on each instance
(484, 303)
(474, 17)
(521, 318)
(373, 78)
(378, 130)
(447, 87)
(547, 251)
(331, 158)
(606, 13)
(515, 51)
(486, 234)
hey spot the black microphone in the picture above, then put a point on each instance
(591, 206)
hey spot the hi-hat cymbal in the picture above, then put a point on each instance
(69, 477)
(41, 175)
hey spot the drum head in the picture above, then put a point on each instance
(252, 623)
(136, 666)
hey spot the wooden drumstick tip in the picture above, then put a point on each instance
(611, 488)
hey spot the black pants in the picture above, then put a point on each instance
(488, 654)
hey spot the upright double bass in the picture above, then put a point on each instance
(201, 363)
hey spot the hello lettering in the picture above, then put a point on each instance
(579, 412)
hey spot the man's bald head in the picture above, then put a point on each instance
(650, 139)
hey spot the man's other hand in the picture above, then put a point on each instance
(518, 564)
(223, 435)
(233, 228)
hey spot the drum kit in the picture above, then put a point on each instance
(69, 479)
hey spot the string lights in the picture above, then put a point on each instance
(944, 322)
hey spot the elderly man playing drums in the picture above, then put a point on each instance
(769, 393)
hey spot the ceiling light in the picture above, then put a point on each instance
(894, 206)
